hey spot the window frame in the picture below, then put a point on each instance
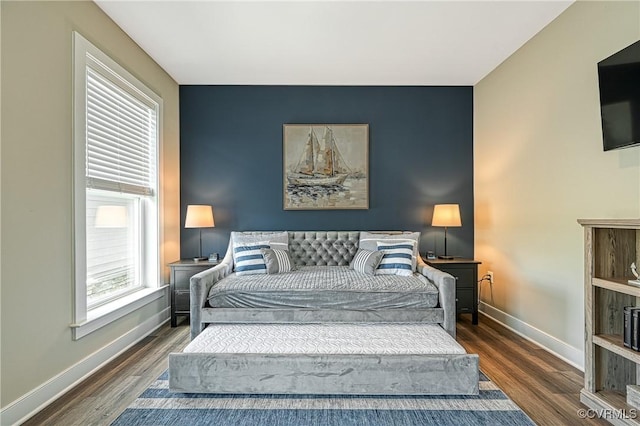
(87, 320)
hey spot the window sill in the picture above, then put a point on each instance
(106, 314)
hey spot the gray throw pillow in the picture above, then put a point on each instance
(366, 261)
(277, 261)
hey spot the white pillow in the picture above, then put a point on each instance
(279, 240)
(396, 259)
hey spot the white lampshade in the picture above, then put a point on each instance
(199, 216)
(111, 217)
(446, 215)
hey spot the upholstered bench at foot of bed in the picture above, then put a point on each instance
(360, 359)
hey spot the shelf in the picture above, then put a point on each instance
(620, 285)
(610, 245)
(611, 223)
(619, 412)
(613, 343)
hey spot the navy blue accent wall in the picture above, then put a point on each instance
(420, 154)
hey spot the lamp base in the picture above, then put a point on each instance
(445, 257)
(200, 259)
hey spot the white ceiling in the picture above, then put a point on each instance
(331, 42)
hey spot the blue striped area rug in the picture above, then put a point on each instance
(158, 406)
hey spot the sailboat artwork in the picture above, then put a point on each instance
(320, 166)
(326, 166)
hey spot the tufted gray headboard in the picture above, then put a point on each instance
(319, 248)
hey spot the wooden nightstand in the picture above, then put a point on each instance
(465, 272)
(181, 272)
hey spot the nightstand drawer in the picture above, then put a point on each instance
(183, 275)
(464, 301)
(182, 301)
(465, 271)
(465, 277)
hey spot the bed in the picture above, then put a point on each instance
(322, 289)
(325, 327)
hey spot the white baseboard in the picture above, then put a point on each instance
(32, 402)
(546, 341)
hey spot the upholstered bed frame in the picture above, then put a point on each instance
(319, 248)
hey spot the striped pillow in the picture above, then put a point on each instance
(366, 261)
(248, 258)
(397, 258)
(277, 261)
(368, 241)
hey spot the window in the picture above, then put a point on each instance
(113, 246)
(116, 191)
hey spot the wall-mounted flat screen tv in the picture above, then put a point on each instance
(619, 78)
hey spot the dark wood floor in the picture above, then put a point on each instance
(545, 387)
(101, 398)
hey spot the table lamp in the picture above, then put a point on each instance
(199, 216)
(446, 215)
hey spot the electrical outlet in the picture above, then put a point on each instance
(490, 274)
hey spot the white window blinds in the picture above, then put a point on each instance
(121, 138)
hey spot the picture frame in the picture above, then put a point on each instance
(325, 166)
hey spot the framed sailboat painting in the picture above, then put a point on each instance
(326, 166)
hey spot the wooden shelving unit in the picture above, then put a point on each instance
(610, 248)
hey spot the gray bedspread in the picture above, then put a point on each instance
(323, 287)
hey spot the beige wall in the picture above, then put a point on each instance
(539, 166)
(36, 176)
